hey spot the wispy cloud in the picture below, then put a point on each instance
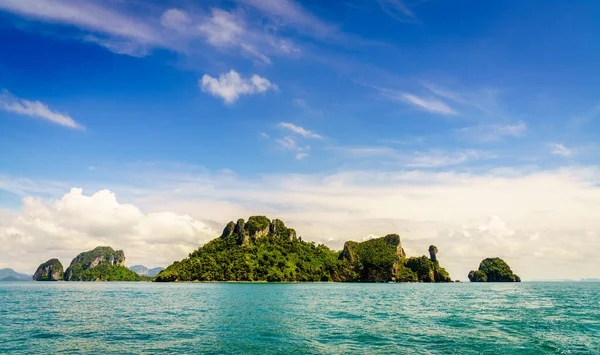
(398, 10)
(288, 143)
(428, 104)
(230, 86)
(562, 150)
(299, 130)
(491, 133)
(432, 158)
(293, 14)
(439, 158)
(11, 103)
(89, 16)
(115, 26)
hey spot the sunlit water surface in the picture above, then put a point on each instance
(327, 318)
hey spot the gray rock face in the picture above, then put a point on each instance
(229, 229)
(93, 258)
(433, 250)
(51, 270)
(239, 226)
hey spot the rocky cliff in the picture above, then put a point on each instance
(100, 264)
(257, 227)
(493, 270)
(265, 250)
(51, 270)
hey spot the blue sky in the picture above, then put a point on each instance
(182, 106)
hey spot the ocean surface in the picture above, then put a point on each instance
(327, 318)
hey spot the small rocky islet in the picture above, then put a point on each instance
(100, 264)
(493, 270)
(261, 249)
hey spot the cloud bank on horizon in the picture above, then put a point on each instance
(476, 132)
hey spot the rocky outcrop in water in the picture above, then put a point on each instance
(493, 270)
(51, 270)
(100, 264)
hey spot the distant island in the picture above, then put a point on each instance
(493, 270)
(265, 250)
(100, 264)
(144, 271)
(11, 275)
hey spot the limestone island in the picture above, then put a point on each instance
(100, 264)
(51, 270)
(493, 270)
(265, 250)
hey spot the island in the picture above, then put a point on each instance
(51, 270)
(493, 270)
(100, 264)
(265, 250)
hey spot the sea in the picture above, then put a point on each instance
(299, 318)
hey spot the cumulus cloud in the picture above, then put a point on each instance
(230, 86)
(10, 103)
(78, 222)
(299, 130)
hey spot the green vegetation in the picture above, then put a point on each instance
(493, 270)
(269, 258)
(264, 250)
(373, 260)
(423, 269)
(100, 264)
(107, 272)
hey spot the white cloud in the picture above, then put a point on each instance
(223, 28)
(230, 86)
(544, 223)
(293, 14)
(562, 150)
(432, 158)
(88, 16)
(299, 130)
(136, 29)
(288, 143)
(438, 158)
(431, 105)
(76, 222)
(176, 19)
(10, 103)
(490, 133)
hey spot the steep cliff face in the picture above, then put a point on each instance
(51, 270)
(493, 270)
(257, 227)
(375, 260)
(101, 263)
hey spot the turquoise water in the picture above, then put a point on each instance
(117, 318)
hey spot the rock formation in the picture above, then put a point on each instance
(260, 249)
(433, 250)
(105, 262)
(257, 227)
(51, 270)
(375, 260)
(493, 270)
